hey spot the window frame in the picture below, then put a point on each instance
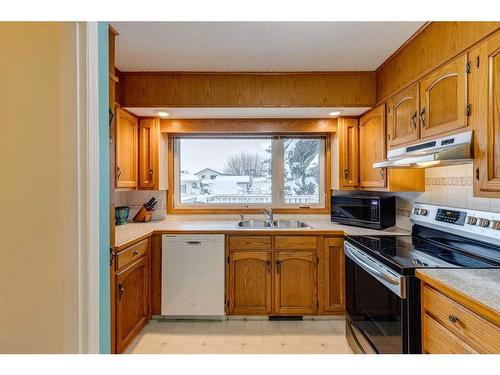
(323, 206)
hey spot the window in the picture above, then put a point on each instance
(229, 171)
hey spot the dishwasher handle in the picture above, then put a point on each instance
(193, 243)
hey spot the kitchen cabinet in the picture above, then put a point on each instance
(250, 283)
(295, 282)
(443, 99)
(126, 149)
(348, 144)
(485, 96)
(333, 269)
(448, 327)
(372, 148)
(152, 155)
(132, 301)
(402, 117)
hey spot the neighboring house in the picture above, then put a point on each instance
(190, 184)
(207, 174)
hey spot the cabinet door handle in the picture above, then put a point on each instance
(151, 172)
(278, 266)
(414, 120)
(453, 318)
(121, 290)
(382, 173)
(346, 174)
(422, 117)
(118, 172)
(268, 266)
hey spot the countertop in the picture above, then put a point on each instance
(478, 288)
(128, 233)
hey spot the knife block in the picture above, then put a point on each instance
(143, 215)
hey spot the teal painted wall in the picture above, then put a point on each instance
(104, 241)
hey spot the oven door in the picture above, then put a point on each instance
(376, 304)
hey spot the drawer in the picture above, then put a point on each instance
(438, 340)
(250, 243)
(296, 242)
(482, 335)
(132, 253)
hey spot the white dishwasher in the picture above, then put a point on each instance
(192, 282)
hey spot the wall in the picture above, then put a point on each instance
(38, 188)
(449, 186)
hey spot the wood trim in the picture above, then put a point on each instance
(249, 126)
(256, 89)
(485, 311)
(171, 209)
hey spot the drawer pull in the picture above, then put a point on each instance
(136, 253)
(452, 318)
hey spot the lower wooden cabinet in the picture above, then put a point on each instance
(333, 268)
(250, 283)
(296, 282)
(132, 302)
(285, 275)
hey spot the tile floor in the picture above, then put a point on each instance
(242, 337)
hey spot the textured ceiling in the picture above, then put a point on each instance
(258, 46)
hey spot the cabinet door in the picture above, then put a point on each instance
(372, 148)
(149, 130)
(443, 99)
(402, 117)
(349, 152)
(126, 149)
(485, 82)
(132, 296)
(295, 282)
(334, 283)
(250, 283)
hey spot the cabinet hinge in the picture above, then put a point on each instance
(112, 256)
(468, 67)
(477, 174)
(317, 260)
(227, 259)
(477, 61)
(317, 304)
(468, 110)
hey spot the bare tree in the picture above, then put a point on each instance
(245, 164)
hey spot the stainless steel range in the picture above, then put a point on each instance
(382, 292)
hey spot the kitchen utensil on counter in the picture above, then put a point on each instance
(121, 215)
(146, 211)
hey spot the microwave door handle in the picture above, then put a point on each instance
(370, 269)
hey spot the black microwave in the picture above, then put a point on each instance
(374, 212)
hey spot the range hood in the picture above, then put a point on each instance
(451, 150)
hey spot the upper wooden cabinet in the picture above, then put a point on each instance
(372, 148)
(443, 99)
(152, 155)
(295, 282)
(126, 149)
(485, 96)
(250, 283)
(402, 117)
(348, 144)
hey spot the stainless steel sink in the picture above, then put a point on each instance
(290, 224)
(251, 224)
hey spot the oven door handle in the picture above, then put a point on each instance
(370, 269)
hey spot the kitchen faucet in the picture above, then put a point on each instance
(269, 214)
(242, 215)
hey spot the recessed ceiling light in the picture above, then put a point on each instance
(163, 114)
(334, 113)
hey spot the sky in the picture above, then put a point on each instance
(197, 154)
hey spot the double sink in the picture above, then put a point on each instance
(277, 224)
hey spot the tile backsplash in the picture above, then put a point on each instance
(135, 199)
(448, 186)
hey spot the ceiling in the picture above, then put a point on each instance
(258, 46)
(312, 112)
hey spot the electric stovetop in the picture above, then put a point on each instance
(428, 248)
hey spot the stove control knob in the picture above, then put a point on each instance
(424, 211)
(472, 220)
(495, 224)
(483, 222)
(416, 211)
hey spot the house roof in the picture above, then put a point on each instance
(207, 169)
